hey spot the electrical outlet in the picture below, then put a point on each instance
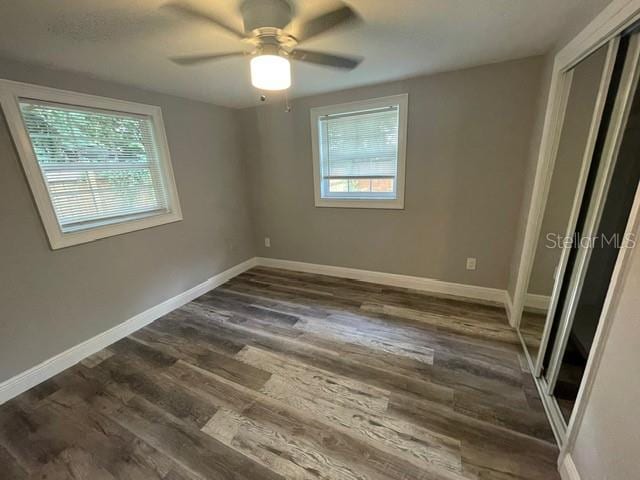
(471, 263)
(267, 242)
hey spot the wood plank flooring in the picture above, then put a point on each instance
(286, 375)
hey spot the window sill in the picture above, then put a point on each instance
(59, 239)
(395, 204)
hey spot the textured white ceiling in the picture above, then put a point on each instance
(129, 41)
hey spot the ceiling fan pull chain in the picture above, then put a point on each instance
(287, 105)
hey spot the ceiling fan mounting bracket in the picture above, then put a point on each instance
(267, 37)
(258, 14)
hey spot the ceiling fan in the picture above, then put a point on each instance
(265, 23)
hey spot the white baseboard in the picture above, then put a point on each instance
(47, 369)
(538, 302)
(531, 301)
(508, 306)
(568, 470)
(430, 285)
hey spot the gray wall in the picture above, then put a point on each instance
(607, 445)
(53, 300)
(468, 143)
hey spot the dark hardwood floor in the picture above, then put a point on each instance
(280, 374)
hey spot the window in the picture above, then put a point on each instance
(97, 167)
(359, 153)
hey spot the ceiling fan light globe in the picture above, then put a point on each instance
(270, 72)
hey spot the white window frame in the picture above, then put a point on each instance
(401, 101)
(10, 94)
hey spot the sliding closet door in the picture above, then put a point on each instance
(587, 84)
(603, 223)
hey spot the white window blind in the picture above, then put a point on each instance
(359, 153)
(99, 166)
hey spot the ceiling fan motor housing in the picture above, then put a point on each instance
(258, 14)
(266, 23)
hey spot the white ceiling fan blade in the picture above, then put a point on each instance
(325, 22)
(196, 59)
(329, 60)
(186, 10)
